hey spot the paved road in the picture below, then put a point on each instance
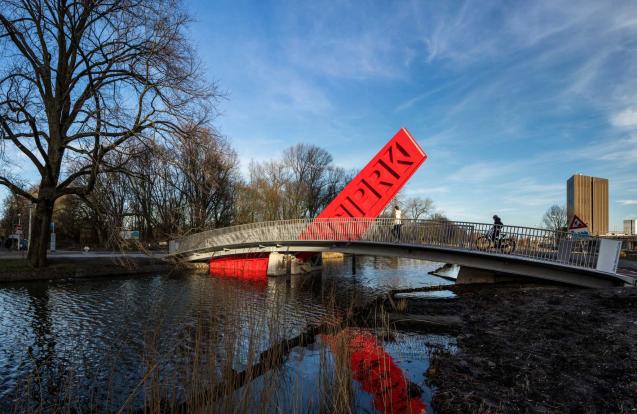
(12, 254)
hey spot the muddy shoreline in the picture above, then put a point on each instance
(536, 349)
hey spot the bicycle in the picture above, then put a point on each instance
(503, 243)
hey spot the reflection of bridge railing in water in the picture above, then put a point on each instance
(530, 243)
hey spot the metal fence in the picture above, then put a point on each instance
(531, 243)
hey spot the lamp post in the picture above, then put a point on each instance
(19, 230)
(31, 206)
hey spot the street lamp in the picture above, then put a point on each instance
(19, 230)
(31, 207)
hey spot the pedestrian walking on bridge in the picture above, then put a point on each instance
(397, 222)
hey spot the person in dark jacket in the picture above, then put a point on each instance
(497, 226)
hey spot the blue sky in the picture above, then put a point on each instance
(508, 99)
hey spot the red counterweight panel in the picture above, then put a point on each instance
(370, 191)
(250, 267)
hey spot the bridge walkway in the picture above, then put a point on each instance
(518, 250)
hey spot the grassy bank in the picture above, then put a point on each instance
(19, 270)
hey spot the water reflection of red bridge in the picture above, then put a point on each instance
(377, 372)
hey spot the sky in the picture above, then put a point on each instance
(508, 99)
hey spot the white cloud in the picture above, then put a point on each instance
(285, 91)
(549, 53)
(476, 173)
(16, 165)
(340, 40)
(627, 202)
(479, 31)
(489, 172)
(626, 118)
(361, 57)
(528, 192)
(426, 191)
(618, 151)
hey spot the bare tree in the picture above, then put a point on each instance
(398, 200)
(109, 204)
(418, 208)
(413, 207)
(555, 218)
(312, 179)
(209, 174)
(81, 78)
(267, 183)
(298, 186)
(68, 224)
(157, 200)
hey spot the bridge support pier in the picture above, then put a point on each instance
(281, 264)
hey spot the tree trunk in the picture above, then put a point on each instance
(40, 233)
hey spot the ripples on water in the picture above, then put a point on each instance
(101, 335)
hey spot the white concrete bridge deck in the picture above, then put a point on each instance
(523, 251)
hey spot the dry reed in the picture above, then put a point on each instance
(234, 362)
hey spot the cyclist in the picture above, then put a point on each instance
(497, 226)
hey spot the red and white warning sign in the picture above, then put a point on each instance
(18, 229)
(578, 227)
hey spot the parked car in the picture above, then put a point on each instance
(12, 242)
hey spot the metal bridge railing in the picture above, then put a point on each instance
(527, 242)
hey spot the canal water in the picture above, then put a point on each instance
(104, 344)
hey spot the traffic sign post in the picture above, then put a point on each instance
(578, 228)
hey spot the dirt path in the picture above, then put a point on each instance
(538, 349)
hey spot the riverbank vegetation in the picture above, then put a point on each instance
(21, 270)
(190, 183)
(85, 83)
(108, 108)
